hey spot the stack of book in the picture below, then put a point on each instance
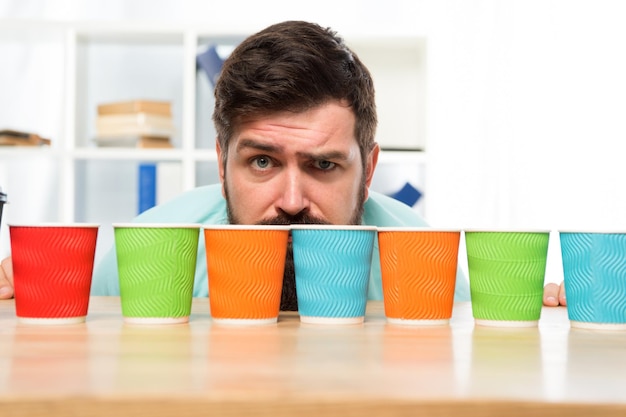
(18, 138)
(135, 123)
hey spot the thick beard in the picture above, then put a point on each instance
(289, 298)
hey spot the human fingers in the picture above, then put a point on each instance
(551, 295)
(6, 278)
(562, 298)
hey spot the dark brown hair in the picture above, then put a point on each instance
(293, 66)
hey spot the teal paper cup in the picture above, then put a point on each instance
(506, 275)
(332, 266)
(594, 273)
(156, 267)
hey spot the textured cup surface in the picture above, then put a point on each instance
(332, 265)
(506, 274)
(418, 267)
(594, 271)
(245, 265)
(53, 268)
(156, 267)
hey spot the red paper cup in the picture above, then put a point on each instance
(52, 267)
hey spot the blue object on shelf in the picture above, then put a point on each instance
(146, 187)
(211, 63)
(408, 194)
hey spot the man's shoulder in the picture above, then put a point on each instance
(206, 195)
(212, 190)
(382, 210)
(204, 204)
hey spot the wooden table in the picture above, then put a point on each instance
(105, 367)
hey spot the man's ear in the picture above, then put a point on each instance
(220, 165)
(370, 167)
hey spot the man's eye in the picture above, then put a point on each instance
(262, 162)
(325, 165)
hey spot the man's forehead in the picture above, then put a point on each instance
(246, 119)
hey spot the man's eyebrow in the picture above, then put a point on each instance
(264, 147)
(250, 143)
(324, 156)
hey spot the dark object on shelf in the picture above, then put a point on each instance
(18, 138)
(211, 63)
(408, 194)
(3, 200)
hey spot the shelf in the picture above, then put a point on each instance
(204, 155)
(113, 61)
(142, 154)
(10, 152)
(398, 68)
(128, 154)
(401, 157)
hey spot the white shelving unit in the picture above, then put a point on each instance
(107, 62)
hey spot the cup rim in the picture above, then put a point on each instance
(594, 231)
(504, 230)
(416, 229)
(245, 227)
(156, 225)
(333, 227)
(53, 224)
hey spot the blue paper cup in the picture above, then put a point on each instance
(594, 271)
(332, 266)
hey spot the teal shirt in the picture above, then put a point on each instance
(206, 205)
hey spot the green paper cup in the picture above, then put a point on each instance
(156, 266)
(506, 273)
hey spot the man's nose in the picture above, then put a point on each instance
(294, 198)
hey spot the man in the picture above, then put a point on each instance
(295, 117)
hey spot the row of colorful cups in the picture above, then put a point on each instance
(53, 266)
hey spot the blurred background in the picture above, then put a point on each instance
(515, 115)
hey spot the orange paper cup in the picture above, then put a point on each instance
(418, 267)
(245, 265)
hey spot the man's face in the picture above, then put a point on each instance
(291, 168)
(297, 168)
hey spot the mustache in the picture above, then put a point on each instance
(286, 219)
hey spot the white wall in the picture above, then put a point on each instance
(526, 99)
(527, 116)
